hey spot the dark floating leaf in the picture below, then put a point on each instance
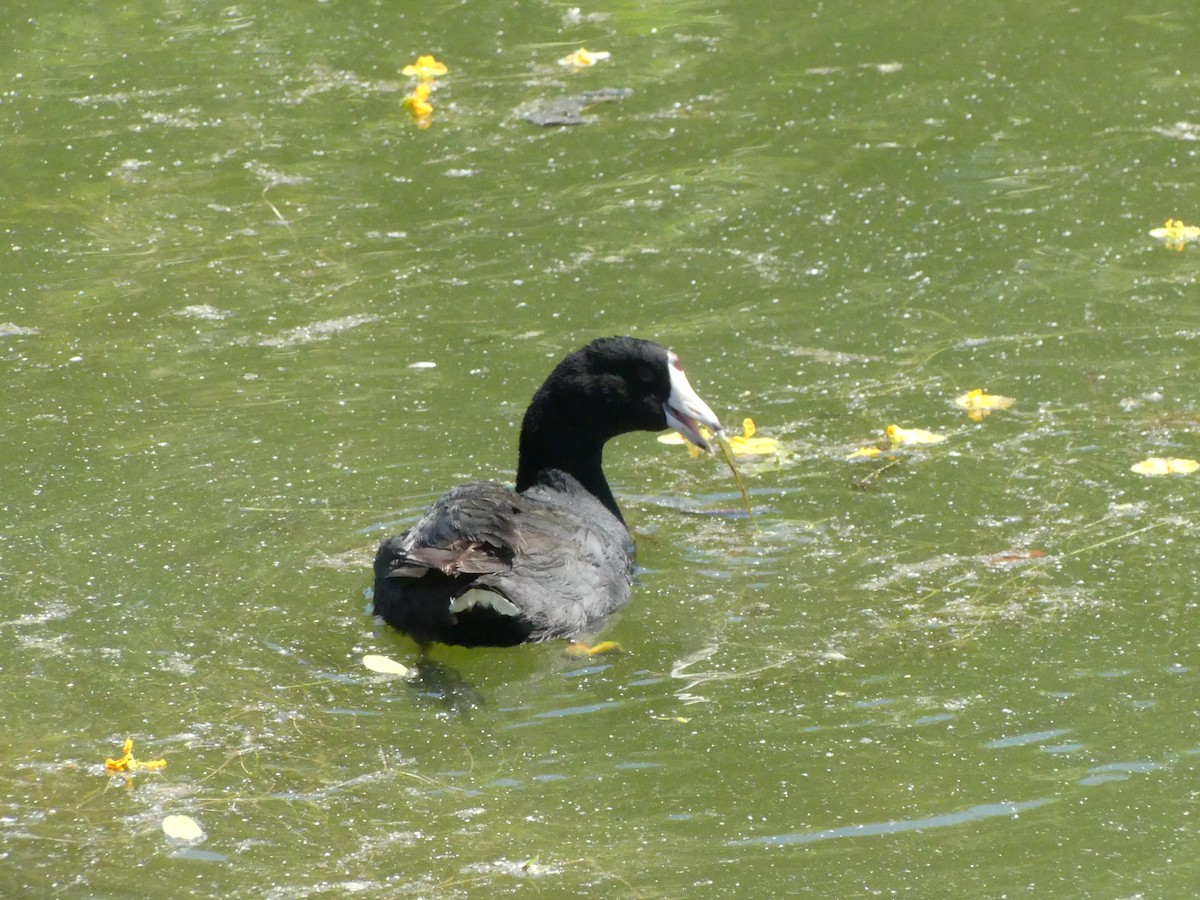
(568, 109)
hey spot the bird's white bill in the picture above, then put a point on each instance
(684, 409)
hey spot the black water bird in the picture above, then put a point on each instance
(489, 565)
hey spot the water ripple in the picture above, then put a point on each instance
(972, 814)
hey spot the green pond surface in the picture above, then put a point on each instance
(253, 318)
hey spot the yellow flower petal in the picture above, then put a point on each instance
(1156, 465)
(128, 764)
(912, 436)
(746, 444)
(418, 104)
(114, 765)
(425, 68)
(865, 453)
(583, 58)
(1152, 466)
(979, 404)
(674, 437)
(740, 446)
(1175, 234)
(578, 648)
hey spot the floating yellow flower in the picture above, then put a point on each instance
(582, 58)
(578, 648)
(674, 437)
(911, 436)
(865, 453)
(1158, 466)
(128, 764)
(1176, 234)
(426, 68)
(980, 405)
(744, 444)
(418, 104)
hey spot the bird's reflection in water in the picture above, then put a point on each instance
(444, 686)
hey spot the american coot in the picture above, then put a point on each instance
(487, 565)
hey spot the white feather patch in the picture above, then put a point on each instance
(490, 599)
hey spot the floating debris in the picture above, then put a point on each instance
(583, 58)
(183, 828)
(317, 331)
(907, 437)
(980, 404)
(1156, 465)
(568, 110)
(1015, 557)
(10, 329)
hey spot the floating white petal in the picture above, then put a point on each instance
(384, 665)
(1156, 465)
(182, 828)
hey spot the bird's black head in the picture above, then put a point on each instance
(619, 383)
(611, 386)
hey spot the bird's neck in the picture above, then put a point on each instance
(545, 448)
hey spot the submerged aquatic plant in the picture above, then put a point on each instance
(732, 448)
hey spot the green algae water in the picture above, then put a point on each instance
(254, 318)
